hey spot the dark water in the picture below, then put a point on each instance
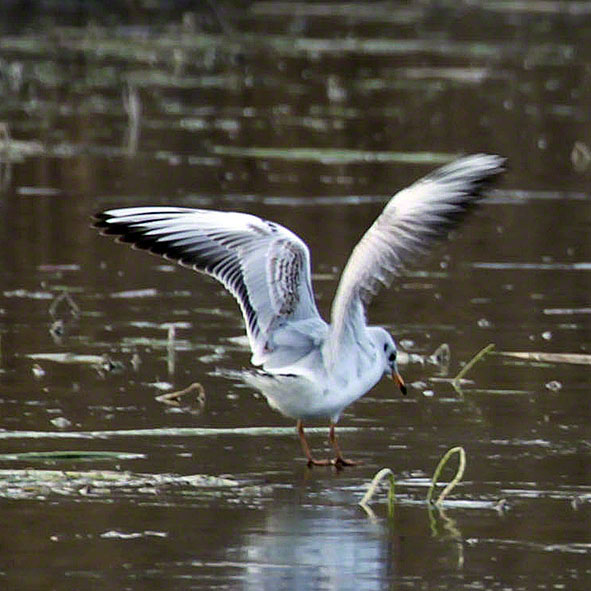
(311, 115)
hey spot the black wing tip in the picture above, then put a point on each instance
(109, 218)
(116, 226)
(100, 221)
(109, 223)
(477, 172)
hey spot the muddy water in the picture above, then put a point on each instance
(311, 115)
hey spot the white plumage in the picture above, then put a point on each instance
(310, 369)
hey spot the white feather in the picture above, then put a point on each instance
(318, 369)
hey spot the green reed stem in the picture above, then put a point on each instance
(480, 355)
(387, 473)
(383, 473)
(452, 484)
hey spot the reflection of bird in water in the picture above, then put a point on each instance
(301, 547)
(310, 369)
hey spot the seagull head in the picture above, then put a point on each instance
(387, 348)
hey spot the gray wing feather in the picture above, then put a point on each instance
(409, 224)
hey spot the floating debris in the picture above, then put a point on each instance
(12, 150)
(566, 311)
(580, 500)
(69, 455)
(135, 293)
(61, 422)
(218, 353)
(118, 535)
(58, 268)
(38, 371)
(40, 484)
(441, 358)
(554, 386)
(66, 358)
(336, 156)
(161, 385)
(575, 358)
(173, 398)
(37, 191)
(32, 295)
(136, 361)
(175, 432)
(68, 300)
(170, 349)
(109, 365)
(580, 156)
(62, 310)
(56, 330)
(406, 343)
(133, 107)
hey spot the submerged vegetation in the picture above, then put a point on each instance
(104, 484)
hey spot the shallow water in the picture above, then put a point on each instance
(311, 115)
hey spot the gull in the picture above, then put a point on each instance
(310, 369)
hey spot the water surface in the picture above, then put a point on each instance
(311, 115)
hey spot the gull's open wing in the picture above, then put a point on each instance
(265, 266)
(411, 221)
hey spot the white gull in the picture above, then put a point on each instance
(310, 369)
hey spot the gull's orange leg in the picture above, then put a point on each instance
(306, 448)
(339, 461)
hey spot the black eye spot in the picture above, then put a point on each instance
(385, 346)
(392, 357)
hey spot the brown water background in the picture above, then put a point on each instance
(312, 115)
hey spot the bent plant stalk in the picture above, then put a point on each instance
(387, 473)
